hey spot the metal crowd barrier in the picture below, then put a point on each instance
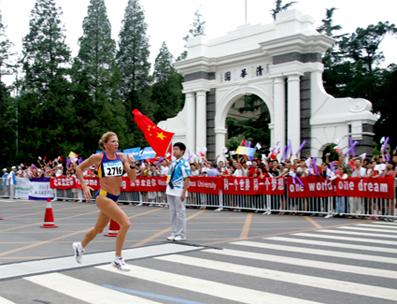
(267, 204)
(4, 191)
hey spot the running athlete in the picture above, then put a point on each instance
(111, 166)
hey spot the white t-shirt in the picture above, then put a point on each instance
(164, 170)
(11, 180)
(359, 173)
(238, 172)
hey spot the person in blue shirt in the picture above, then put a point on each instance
(3, 187)
(177, 183)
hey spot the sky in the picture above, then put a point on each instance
(170, 20)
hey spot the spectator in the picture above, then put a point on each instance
(253, 169)
(4, 189)
(355, 202)
(380, 166)
(212, 170)
(339, 200)
(12, 181)
(164, 168)
(239, 171)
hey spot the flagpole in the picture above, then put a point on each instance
(169, 144)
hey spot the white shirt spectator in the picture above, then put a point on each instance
(238, 172)
(360, 172)
(164, 170)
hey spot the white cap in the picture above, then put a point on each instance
(249, 163)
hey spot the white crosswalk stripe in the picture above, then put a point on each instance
(334, 244)
(85, 291)
(5, 301)
(332, 253)
(385, 223)
(346, 238)
(390, 274)
(376, 226)
(344, 232)
(277, 269)
(336, 285)
(225, 291)
(368, 229)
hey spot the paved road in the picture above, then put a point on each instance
(229, 258)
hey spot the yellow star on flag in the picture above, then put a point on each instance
(161, 135)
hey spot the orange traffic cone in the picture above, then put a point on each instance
(114, 228)
(48, 216)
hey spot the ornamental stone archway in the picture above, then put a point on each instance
(281, 64)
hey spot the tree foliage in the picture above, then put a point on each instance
(134, 66)
(6, 66)
(197, 29)
(167, 89)
(46, 112)
(353, 68)
(255, 128)
(279, 7)
(99, 106)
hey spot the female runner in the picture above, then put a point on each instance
(110, 166)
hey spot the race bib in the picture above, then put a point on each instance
(114, 168)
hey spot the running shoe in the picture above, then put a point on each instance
(120, 264)
(78, 251)
(171, 237)
(179, 238)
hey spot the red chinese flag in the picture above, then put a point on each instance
(157, 138)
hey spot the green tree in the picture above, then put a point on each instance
(99, 106)
(255, 128)
(279, 7)
(353, 68)
(333, 57)
(5, 52)
(386, 106)
(46, 111)
(8, 122)
(167, 88)
(197, 29)
(7, 105)
(133, 55)
(362, 46)
(133, 64)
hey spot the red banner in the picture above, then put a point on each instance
(144, 184)
(204, 184)
(92, 182)
(316, 186)
(62, 182)
(311, 186)
(380, 187)
(252, 186)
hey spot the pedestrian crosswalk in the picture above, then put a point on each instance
(346, 264)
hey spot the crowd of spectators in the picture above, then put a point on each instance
(237, 165)
(271, 166)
